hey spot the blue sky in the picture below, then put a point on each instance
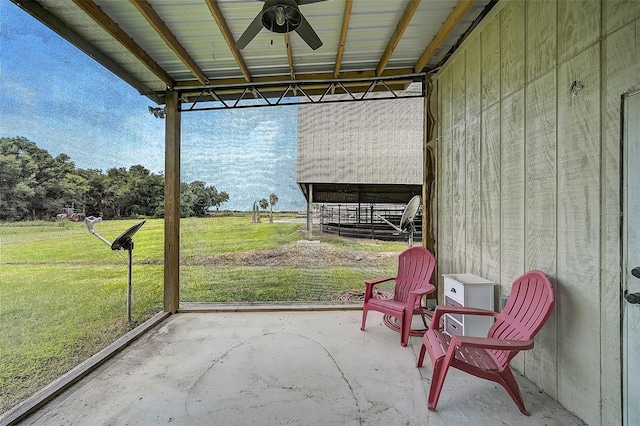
(65, 102)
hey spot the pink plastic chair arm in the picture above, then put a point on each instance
(368, 292)
(375, 281)
(424, 290)
(486, 343)
(441, 310)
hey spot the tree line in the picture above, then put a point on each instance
(35, 185)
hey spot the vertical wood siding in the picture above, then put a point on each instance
(472, 79)
(578, 229)
(458, 167)
(512, 189)
(540, 37)
(580, 27)
(529, 177)
(490, 75)
(490, 193)
(540, 195)
(473, 227)
(512, 43)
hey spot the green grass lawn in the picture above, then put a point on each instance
(63, 291)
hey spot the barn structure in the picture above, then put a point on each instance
(360, 161)
(530, 147)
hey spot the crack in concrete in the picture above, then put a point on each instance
(344, 377)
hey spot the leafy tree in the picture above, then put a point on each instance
(20, 186)
(116, 191)
(75, 188)
(186, 200)
(94, 199)
(35, 185)
(15, 191)
(273, 199)
(196, 198)
(144, 192)
(217, 198)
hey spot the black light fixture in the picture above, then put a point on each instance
(281, 16)
(157, 112)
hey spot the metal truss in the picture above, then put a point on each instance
(299, 92)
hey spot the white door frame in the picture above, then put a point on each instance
(631, 258)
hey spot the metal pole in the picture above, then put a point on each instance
(129, 284)
(373, 226)
(310, 213)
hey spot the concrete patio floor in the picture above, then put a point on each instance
(275, 368)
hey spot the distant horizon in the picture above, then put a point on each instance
(61, 99)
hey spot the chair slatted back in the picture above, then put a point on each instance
(415, 268)
(529, 306)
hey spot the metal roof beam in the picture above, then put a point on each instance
(284, 78)
(408, 13)
(282, 93)
(165, 33)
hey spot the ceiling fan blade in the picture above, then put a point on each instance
(308, 34)
(303, 2)
(252, 30)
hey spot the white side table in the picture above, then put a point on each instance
(470, 291)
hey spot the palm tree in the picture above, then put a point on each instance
(273, 199)
(263, 205)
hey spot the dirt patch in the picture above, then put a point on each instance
(302, 255)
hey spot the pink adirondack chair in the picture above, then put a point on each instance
(415, 267)
(529, 306)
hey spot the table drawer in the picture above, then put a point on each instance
(454, 290)
(472, 291)
(450, 302)
(452, 328)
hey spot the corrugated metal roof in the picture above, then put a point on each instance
(371, 27)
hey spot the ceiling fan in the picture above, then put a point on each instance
(281, 16)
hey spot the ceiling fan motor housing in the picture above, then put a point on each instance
(281, 16)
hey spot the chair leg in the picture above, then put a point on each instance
(508, 381)
(423, 350)
(424, 319)
(405, 326)
(364, 316)
(440, 369)
(437, 380)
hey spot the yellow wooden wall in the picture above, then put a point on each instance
(528, 177)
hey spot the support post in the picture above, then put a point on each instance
(172, 204)
(310, 212)
(429, 201)
(429, 194)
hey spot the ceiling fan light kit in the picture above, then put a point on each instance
(281, 16)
